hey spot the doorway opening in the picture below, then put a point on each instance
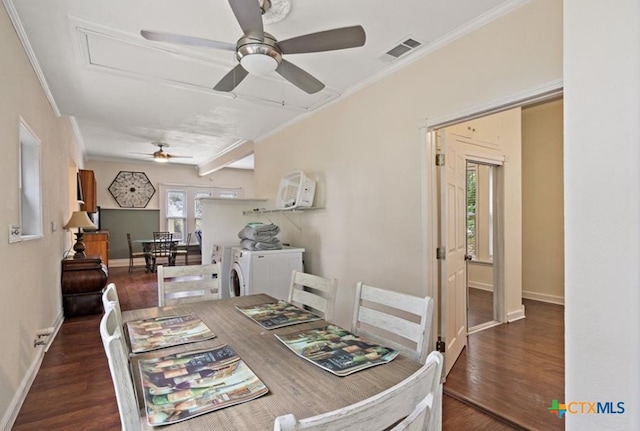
(482, 300)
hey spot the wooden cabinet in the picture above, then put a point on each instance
(82, 282)
(89, 191)
(97, 244)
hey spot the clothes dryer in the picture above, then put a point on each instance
(222, 253)
(266, 271)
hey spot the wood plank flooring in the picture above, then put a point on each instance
(73, 390)
(515, 370)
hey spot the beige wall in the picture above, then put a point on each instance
(160, 173)
(29, 286)
(542, 203)
(367, 157)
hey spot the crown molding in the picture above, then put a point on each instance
(22, 35)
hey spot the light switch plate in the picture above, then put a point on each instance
(15, 233)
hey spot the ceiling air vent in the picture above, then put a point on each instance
(404, 47)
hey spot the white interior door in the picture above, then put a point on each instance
(453, 268)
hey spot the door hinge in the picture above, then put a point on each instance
(440, 159)
(440, 253)
(440, 345)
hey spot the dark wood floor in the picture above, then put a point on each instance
(73, 390)
(480, 307)
(515, 370)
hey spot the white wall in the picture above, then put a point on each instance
(365, 153)
(602, 210)
(30, 280)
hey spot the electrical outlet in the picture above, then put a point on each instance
(15, 233)
(54, 226)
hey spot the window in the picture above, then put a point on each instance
(198, 208)
(181, 211)
(480, 211)
(30, 188)
(176, 212)
(472, 183)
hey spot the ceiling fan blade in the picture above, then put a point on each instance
(159, 36)
(298, 77)
(328, 40)
(231, 79)
(171, 156)
(142, 154)
(249, 17)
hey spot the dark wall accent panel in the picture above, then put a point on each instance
(139, 223)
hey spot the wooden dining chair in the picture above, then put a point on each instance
(131, 418)
(163, 247)
(413, 404)
(133, 254)
(183, 250)
(314, 293)
(188, 283)
(394, 319)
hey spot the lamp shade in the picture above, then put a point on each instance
(79, 219)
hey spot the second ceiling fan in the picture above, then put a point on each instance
(260, 53)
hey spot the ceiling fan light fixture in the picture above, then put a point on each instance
(259, 64)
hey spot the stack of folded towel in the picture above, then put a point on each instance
(260, 236)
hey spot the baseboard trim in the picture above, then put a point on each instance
(516, 315)
(481, 286)
(543, 297)
(23, 389)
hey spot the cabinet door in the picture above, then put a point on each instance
(97, 244)
(88, 182)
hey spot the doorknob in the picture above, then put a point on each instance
(468, 257)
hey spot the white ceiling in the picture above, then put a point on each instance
(125, 92)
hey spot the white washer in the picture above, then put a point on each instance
(264, 271)
(222, 253)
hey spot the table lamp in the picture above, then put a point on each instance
(80, 220)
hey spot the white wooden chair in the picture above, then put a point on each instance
(414, 404)
(110, 300)
(111, 333)
(314, 293)
(188, 283)
(397, 320)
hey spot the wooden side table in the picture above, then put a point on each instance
(82, 282)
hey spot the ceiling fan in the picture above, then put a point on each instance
(161, 156)
(260, 53)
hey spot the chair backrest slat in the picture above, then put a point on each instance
(411, 404)
(318, 294)
(394, 319)
(188, 283)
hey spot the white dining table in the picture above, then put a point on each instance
(295, 385)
